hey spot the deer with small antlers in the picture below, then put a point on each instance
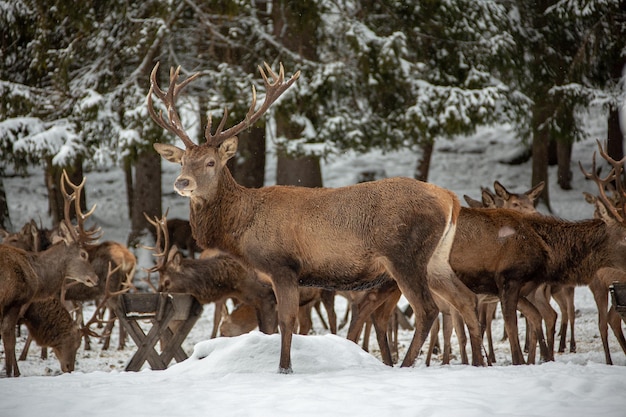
(344, 239)
(212, 279)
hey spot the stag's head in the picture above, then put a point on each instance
(201, 164)
(611, 210)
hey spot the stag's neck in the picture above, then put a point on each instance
(48, 268)
(219, 220)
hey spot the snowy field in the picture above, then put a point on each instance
(332, 376)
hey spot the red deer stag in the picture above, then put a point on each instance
(212, 279)
(343, 239)
(33, 276)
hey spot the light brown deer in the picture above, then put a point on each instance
(31, 276)
(343, 239)
(51, 325)
(212, 279)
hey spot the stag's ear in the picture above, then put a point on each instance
(590, 198)
(228, 148)
(603, 213)
(169, 152)
(64, 235)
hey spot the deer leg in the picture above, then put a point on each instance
(447, 336)
(8, 332)
(328, 299)
(367, 331)
(571, 315)
(508, 303)
(452, 290)
(459, 329)
(487, 313)
(542, 302)
(425, 311)
(600, 295)
(288, 300)
(615, 321)
(536, 335)
(434, 339)
(381, 319)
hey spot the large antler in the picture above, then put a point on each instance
(80, 234)
(613, 179)
(273, 90)
(169, 100)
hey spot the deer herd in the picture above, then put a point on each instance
(277, 253)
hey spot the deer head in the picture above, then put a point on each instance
(201, 164)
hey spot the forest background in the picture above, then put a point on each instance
(384, 75)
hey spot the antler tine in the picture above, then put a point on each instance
(603, 183)
(85, 236)
(66, 207)
(169, 100)
(162, 235)
(103, 302)
(273, 90)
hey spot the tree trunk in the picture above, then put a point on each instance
(248, 168)
(146, 195)
(423, 164)
(128, 180)
(540, 143)
(304, 171)
(5, 220)
(564, 171)
(615, 137)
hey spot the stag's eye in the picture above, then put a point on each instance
(210, 163)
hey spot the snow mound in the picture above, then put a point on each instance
(257, 352)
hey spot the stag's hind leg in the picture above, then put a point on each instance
(7, 331)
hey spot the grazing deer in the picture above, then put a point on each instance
(342, 239)
(51, 325)
(212, 278)
(31, 276)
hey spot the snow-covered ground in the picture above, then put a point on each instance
(332, 376)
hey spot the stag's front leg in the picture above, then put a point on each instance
(7, 331)
(288, 300)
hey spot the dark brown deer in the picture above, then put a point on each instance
(31, 276)
(342, 239)
(212, 279)
(51, 325)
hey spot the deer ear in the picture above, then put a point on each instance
(603, 213)
(228, 148)
(534, 192)
(500, 190)
(169, 152)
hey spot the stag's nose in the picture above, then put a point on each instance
(181, 183)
